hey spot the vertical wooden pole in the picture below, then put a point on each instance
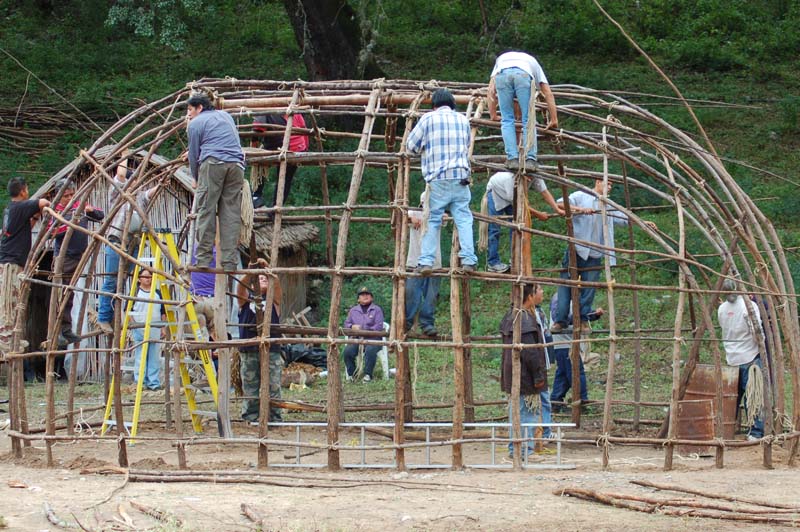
(403, 397)
(466, 325)
(458, 354)
(219, 304)
(637, 319)
(574, 350)
(669, 449)
(335, 409)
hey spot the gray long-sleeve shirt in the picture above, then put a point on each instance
(213, 134)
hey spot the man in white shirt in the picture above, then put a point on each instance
(512, 77)
(587, 225)
(421, 292)
(500, 201)
(741, 343)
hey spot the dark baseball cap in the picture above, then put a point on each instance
(364, 290)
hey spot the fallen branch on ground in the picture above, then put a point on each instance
(250, 513)
(679, 509)
(155, 513)
(679, 489)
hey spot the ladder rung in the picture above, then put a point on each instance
(113, 423)
(205, 413)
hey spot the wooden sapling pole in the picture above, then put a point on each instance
(219, 304)
(637, 319)
(466, 307)
(669, 448)
(73, 368)
(335, 412)
(612, 323)
(458, 356)
(575, 348)
(403, 394)
(266, 324)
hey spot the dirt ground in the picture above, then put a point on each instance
(473, 499)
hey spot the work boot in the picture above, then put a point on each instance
(425, 269)
(512, 164)
(500, 267)
(70, 336)
(531, 165)
(468, 268)
(430, 331)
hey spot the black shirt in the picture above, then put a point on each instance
(248, 328)
(16, 240)
(79, 240)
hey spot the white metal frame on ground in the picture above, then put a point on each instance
(527, 428)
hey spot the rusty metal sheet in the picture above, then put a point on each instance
(695, 422)
(702, 386)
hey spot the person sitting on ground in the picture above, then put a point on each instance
(251, 308)
(216, 161)
(516, 75)
(533, 368)
(421, 292)
(138, 319)
(15, 246)
(298, 143)
(365, 316)
(500, 201)
(443, 138)
(562, 380)
(587, 224)
(76, 247)
(742, 350)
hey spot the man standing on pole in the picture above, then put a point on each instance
(442, 138)
(216, 160)
(512, 78)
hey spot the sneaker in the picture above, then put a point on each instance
(430, 331)
(258, 202)
(425, 269)
(348, 378)
(367, 378)
(551, 436)
(546, 450)
(468, 268)
(105, 327)
(531, 165)
(556, 328)
(253, 423)
(512, 164)
(750, 437)
(500, 267)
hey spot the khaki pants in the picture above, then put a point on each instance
(219, 192)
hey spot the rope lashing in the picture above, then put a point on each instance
(754, 394)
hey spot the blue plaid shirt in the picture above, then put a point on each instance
(442, 137)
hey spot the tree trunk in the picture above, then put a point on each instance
(329, 33)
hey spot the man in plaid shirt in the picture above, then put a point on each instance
(442, 138)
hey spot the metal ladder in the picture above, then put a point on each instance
(160, 286)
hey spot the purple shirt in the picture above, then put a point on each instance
(203, 282)
(371, 320)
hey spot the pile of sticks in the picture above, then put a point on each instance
(744, 509)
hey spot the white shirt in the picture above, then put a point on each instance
(589, 227)
(522, 61)
(138, 312)
(501, 185)
(738, 335)
(415, 244)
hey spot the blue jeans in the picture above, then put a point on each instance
(494, 230)
(105, 314)
(153, 362)
(587, 293)
(451, 195)
(370, 357)
(562, 382)
(510, 83)
(757, 430)
(421, 294)
(526, 415)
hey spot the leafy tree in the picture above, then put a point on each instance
(161, 20)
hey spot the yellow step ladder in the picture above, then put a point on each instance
(161, 286)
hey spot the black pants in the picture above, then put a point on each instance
(290, 170)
